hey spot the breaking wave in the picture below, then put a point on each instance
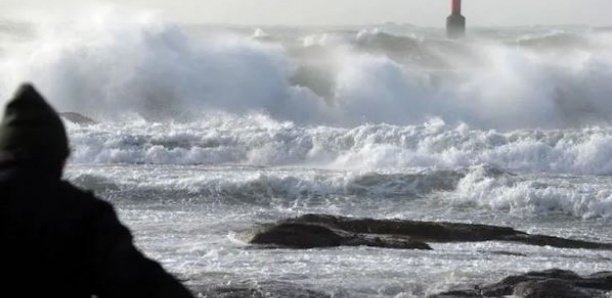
(389, 111)
(222, 139)
(532, 195)
(505, 79)
(267, 186)
(386, 193)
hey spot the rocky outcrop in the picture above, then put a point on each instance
(316, 230)
(304, 236)
(552, 283)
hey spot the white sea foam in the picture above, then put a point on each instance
(257, 139)
(532, 195)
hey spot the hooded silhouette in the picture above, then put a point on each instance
(58, 241)
(31, 131)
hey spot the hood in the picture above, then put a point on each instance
(31, 130)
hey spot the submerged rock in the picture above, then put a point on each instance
(77, 118)
(317, 230)
(554, 283)
(257, 290)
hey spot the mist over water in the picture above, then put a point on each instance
(204, 131)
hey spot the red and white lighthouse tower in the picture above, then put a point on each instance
(455, 23)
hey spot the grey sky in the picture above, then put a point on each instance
(418, 12)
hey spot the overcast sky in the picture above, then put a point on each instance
(313, 12)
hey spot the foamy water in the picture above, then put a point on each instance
(205, 131)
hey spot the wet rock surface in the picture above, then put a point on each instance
(305, 235)
(554, 283)
(317, 230)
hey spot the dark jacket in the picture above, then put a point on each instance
(58, 241)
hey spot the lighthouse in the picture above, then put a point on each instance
(455, 23)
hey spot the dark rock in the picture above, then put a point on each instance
(600, 281)
(304, 236)
(385, 241)
(422, 231)
(77, 118)
(298, 236)
(549, 288)
(541, 240)
(552, 283)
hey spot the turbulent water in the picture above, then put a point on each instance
(205, 131)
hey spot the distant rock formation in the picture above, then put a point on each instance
(545, 284)
(77, 118)
(316, 230)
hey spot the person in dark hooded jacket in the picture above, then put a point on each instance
(56, 240)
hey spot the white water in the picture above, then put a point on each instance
(205, 131)
(511, 78)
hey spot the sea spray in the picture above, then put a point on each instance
(112, 66)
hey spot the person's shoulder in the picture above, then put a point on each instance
(71, 190)
(86, 197)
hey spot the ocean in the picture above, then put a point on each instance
(205, 131)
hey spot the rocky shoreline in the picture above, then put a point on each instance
(325, 231)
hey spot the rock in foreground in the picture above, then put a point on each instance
(553, 283)
(316, 230)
